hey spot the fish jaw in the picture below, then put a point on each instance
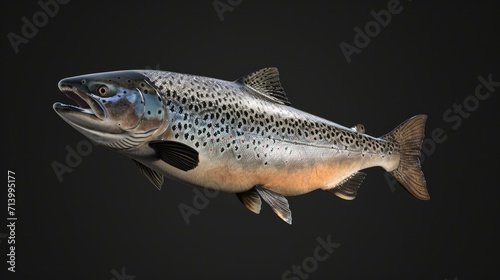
(88, 117)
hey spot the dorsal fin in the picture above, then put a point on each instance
(266, 84)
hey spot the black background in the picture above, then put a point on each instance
(104, 216)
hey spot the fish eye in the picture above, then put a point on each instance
(103, 90)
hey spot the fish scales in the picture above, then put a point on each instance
(239, 136)
(230, 125)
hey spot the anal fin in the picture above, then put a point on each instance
(154, 177)
(278, 203)
(348, 188)
(251, 200)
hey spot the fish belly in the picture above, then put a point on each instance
(287, 170)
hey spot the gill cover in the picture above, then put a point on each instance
(114, 106)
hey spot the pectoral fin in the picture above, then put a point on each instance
(154, 177)
(348, 188)
(176, 154)
(251, 200)
(278, 203)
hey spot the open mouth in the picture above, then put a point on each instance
(84, 103)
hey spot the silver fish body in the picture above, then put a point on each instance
(238, 136)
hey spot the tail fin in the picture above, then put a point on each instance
(409, 135)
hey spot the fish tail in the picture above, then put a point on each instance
(409, 136)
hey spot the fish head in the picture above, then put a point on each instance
(117, 109)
